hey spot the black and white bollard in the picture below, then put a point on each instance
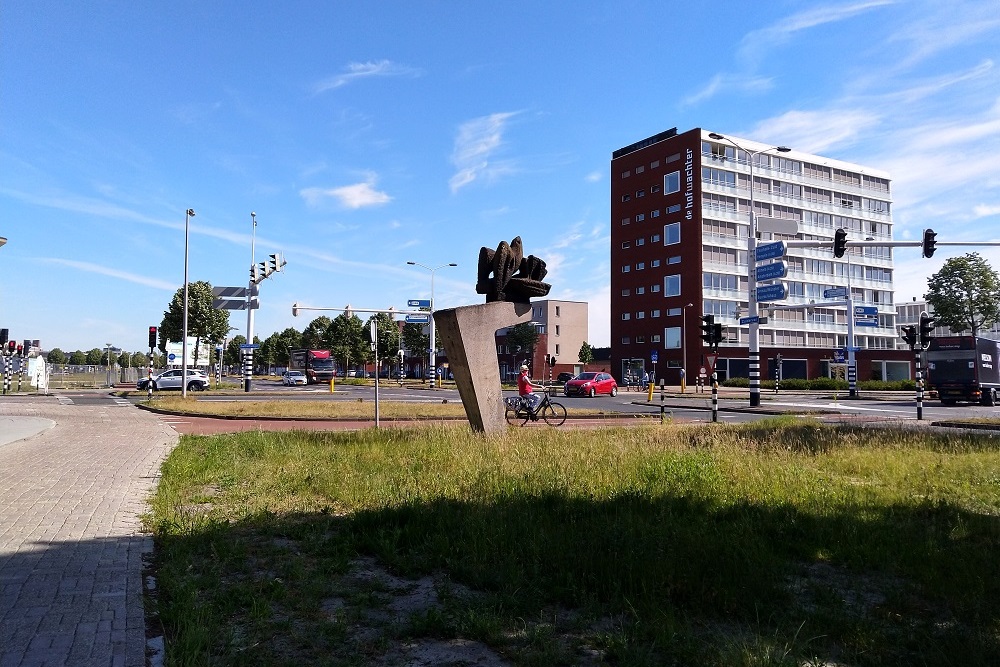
(920, 388)
(715, 397)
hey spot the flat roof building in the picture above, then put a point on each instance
(680, 218)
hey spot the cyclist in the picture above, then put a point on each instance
(526, 389)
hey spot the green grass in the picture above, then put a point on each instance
(779, 543)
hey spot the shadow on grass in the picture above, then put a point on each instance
(675, 578)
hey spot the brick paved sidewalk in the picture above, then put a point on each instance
(71, 554)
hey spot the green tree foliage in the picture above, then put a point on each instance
(78, 358)
(204, 322)
(314, 335)
(57, 356)
(388, 337)
(231, 356)
(289, 339)
(124, 359)
(139, 360)
(415, 340)
(345, 338)
(586, 355)
(965, 294)
(523, 336)
(95, 357)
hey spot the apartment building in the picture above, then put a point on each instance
(680, 220)
(562, 328)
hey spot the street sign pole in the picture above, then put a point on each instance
(852, 369)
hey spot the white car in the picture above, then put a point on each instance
(292, 378)
(196, 380)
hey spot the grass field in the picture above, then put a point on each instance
(780, 543)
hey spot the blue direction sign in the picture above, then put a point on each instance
(773, 292)
(861, 311)
(769, 251)
(418, 303)
(418, 319)
(838, 356)
(750, 320)
(771, 271)
(653, 356)
(834, 292)
(249, 346)
(866, 321)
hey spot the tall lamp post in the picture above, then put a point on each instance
(431, 356)
(751, 277)
(684, 356)
(248, 360)
(188, 214)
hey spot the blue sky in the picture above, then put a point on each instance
(366, 135)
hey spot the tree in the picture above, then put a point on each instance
(345, 338)
(95, 357)
(78, 358)
(124, 359)
(139, 360)
(965, 294)
(415, 340)
(586, 355)
(289, 339)
(388, 337)
(231, 355)
(204, 322)
(314, 335)
(56, 356)
(522, 338)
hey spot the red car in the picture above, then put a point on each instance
(591, 384)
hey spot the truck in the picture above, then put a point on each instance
(316, 364)
(964, 368)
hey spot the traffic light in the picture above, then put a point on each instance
(708, 329)
(929, 245)
(926, 328)
(262, 271)
(839, 242)
(20, 350)
(3, 336)
(716, 335)
(295, 310)
(254, 276)
(276, 261)
(909, 334)
(11, 346)
(152, 337)
(552, 361)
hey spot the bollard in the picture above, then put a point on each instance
(649, 395)
(331, 381)
(715, 397)
(920, 388)
(663, 387)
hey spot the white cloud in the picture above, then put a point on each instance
(594, 177)
(477, 141)
(817, 131)
(728, 83)
(358, 195)
(113, 273)
(356, 71)
(985, 210)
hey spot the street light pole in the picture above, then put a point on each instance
(751, 276)
(184, 326)
(431, 355)
(248, 361)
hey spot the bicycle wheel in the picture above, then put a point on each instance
(554, 414)
(516, 417)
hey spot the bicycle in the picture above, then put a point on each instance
(518, 412)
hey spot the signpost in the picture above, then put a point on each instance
(418, 303)
(835, 293)
(770, 251)
(771, 271)
(418, 319)
(772, 292)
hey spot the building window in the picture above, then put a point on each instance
(640, 266)
(654, 188)
(672, 285)
(640, 290)
(626, 174)
(640, 339)
(655, 312)
(674, 312)
(655, 213)
(626, 268)
(557, 329)
(655, 238)
(640, 217)
(676, 259)
(626, 292)
(626, 317)
(654, 164)
(557, 349)
(671, 233)
(654, 288)
(655, 338)
(625, 221)
(626, 197)
(640, 193)
(674, 208)
(672, 183)
(626, 245)
(641, 315)
(672, 338)
(639, 242)
(557, 311)
(655, 263)
(673, 158)
(626, 340)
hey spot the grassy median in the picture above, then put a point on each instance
(779, 543)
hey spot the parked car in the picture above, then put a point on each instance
(591, 384)
(196, 380)
(292, 378)
(563, 378)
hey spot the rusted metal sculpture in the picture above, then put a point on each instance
(515, 278)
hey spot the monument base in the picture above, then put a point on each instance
(468, 333)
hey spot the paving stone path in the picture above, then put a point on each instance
(71, 550)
